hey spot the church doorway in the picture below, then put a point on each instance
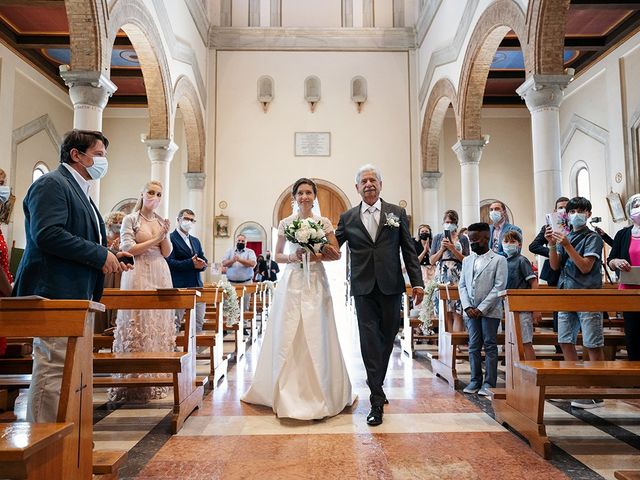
(332, 200)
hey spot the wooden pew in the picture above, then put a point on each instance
(529, 382)
(188, 389)
(409, 338)
(251, 315)
(213, 333)
(34, 450)
(239, 340)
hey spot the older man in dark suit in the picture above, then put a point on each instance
(376, 232)
(66, 255)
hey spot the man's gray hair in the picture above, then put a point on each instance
(368, 168)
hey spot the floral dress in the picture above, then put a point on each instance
(448, 270)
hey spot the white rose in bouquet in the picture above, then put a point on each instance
(318, 234)
(303, 235)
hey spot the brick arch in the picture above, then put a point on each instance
(546, 24)
(87, 34)
(442, 95)
(135, 20)
(186, 97)
(494, 23)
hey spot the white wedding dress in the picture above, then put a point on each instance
(301, 372)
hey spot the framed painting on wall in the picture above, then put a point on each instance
(616, 207)
(221, 226)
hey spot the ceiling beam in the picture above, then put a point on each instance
(56, 41)
(126, 72)
(594, 44)
(32, 3)
(601, 4)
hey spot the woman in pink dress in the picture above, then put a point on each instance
(625, 254)
(144, 234)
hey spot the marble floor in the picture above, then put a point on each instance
(429, 432)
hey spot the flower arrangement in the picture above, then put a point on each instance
(230, 309)
(392, 220)
(426, 308)
(307, 233)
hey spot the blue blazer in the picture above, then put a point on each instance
(506, 228)
(183, 273)
(64, 257)
(483, 293)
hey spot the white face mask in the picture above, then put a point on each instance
(186, 225)
(5, 192)
(99, 167)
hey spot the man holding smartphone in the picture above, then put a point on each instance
(186, 262)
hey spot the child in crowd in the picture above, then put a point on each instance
(577, 257)
(484, 276)
(521, 275)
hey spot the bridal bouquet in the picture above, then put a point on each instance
(230, 308)
(307, 233)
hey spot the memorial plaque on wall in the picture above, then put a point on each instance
(312, 144)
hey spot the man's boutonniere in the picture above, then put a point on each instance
(392, 220)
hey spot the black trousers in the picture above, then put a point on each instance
(378, 323)
(632, 334)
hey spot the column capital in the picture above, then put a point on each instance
(469, 151)
(88, 87)
(430, 179)
(543, 91)
(160, 150)
(195, 180)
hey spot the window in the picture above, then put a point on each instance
(39, 170)
(582, 183)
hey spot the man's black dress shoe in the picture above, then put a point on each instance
(375, 416)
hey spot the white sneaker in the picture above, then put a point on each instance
(484, 391)
(587, 404)
(470, 389)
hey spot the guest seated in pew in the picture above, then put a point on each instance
(145, 236)
(577, 257)
(521, 275)
(624, 255)
(484, 276)
(66, 255)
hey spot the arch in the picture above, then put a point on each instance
(135, 20)
(87, 34)
(442, 95)
(342, 201)
(546, 25)
(261, 236)
(576, 168)
(186, 97)
(484, 210)
(496, 21)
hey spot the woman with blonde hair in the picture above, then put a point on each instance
(144, 234)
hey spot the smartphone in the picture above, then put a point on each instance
(127, 260)
(447, 234)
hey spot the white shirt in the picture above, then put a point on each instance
(85, 186)
(480, 262)
(185, 237)
(364, 207)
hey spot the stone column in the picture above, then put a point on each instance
(430, 199)
(89, 92)
(161, 153)
(469, 153)
(543, 95)
(195, 200)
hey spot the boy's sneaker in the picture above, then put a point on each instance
(586, 404)
(470, 389)
(484, 391)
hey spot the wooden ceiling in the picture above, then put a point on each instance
(37, 30)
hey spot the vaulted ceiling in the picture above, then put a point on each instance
(37, 30)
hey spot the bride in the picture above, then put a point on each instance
(301, 372)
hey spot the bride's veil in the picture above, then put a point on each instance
(315, 210)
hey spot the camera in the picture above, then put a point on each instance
(595, 220)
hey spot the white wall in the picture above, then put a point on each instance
(255, 159)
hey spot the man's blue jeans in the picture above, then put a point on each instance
(483, 332)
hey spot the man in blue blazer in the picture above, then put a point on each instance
(186, 262)
(499, 226)
(66, 255)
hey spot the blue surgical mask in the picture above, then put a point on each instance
(450, 226)
(510, 249)
(99, 167)
(495, 216)
(577, 220)
(5, 192)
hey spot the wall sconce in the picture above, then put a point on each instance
(359, 91)
(312, 91)
(265, 91)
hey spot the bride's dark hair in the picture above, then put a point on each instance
(304, 181)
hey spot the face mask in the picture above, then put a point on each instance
(495, 216)
(577, 220)
(115, 228)
(268, 257)
(240, 246)
(510, 249)
(99, 167)
(478, 249)
(450, 226)
(560, 211)
(5, 192)
(424, 236)
(151, 203)
(186, 225)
